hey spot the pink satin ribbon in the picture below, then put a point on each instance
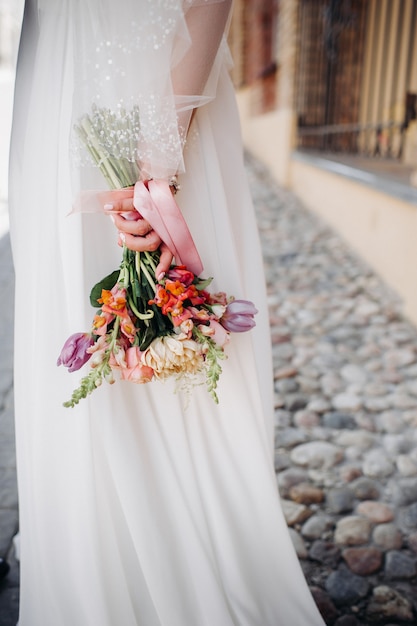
(155, 203)
(157, 206)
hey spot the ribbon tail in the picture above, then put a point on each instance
(175, 224)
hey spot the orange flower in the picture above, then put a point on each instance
(128, 328)
(101, 322)
(175, 287)
(179, 315)
(114, 301)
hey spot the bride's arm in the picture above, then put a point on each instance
(206, 24)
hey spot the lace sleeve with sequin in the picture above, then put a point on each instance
(140, 68)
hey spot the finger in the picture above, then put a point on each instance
(165, 261)
(120, 206)
(139, 227)
(150, 242)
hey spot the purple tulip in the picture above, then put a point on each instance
(74, 352)
(238, 317)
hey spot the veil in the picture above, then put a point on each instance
(140, 69)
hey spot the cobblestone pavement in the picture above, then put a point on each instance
(345, 367)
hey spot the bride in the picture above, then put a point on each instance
(134, 510)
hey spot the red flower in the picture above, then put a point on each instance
(180, 272)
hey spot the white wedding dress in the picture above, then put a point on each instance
(134, 511)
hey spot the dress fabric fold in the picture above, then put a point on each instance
(134, 511)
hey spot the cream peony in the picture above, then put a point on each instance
(170, 355)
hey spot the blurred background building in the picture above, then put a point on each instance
(327, 91)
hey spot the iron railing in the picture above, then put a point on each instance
(380, 139)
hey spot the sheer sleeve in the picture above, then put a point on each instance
(140, 68)
(206, 24)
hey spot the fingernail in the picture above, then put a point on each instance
(108, 207)
(161, 275)
(122, 237)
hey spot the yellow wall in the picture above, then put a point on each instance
(269, 137)
(379, 227)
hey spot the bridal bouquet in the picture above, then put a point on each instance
(149, 329)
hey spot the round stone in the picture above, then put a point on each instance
(399, 565)
(352, 530)
(315, 454)
(349, 473)
(389, 604)
(406, 466)
(286, 385)
(344, 587)
(354, 374)
(306, 419)
(305, 493)
(387, 537)
(375, 389)
(377, 512)
(367, 308)
(402, 401)
(318, 405)
(289, 437)
(284, 351)
(365, 488)
(308, 384)
(281, 461)
(282, 418)
(391, 422)
(412, 542)
(378, 464)
(294, 513)
(401, 491)
(399, 357)
(363, 561)
(296, 402)
(325, 552)
(316, 526)
(338, 420)
(395, 444)
(347, 402)
(290, 477)
(331, 384)
(324, 604)
(411, 386)
(279, 401)
(358, 438)
(340, 500)
(408, 518)
(376, 404)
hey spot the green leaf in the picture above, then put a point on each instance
(105, 283)
(202, 283)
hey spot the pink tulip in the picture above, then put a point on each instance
(135, 371)
(238, 317)
(74, 352)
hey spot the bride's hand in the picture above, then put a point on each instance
(137, 234)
